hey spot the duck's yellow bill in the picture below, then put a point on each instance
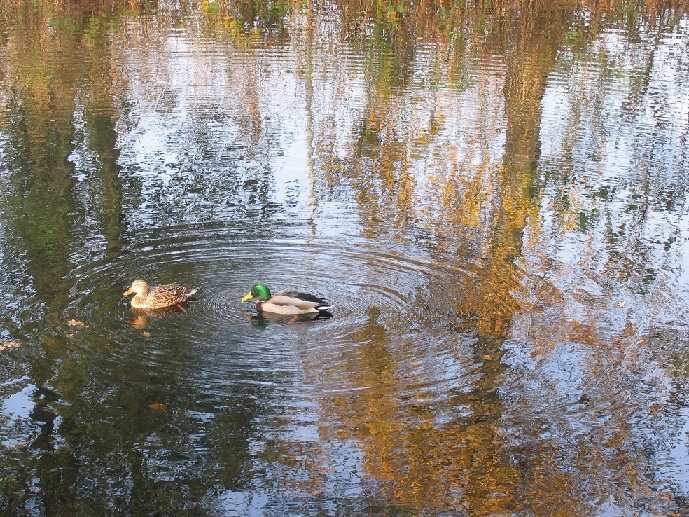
(128, 292)
(247, 297)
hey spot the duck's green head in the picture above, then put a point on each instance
(259, 291)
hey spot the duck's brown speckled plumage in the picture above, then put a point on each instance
(158, 296)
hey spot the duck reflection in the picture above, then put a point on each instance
(141, 316)
(262, 319)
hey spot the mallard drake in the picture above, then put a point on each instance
(158, 296)
(287, 302)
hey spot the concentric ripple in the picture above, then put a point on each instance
(380, 300)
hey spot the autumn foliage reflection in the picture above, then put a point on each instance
(432, 118)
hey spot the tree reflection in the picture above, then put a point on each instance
(388, 192)
(468, 133)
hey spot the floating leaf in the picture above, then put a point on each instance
(9, 344)
(75, 323)
(158, 406)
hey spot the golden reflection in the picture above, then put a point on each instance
(498, 195)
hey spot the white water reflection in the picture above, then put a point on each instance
(15, 410)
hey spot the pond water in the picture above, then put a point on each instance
(492, 197)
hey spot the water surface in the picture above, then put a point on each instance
(492, 198)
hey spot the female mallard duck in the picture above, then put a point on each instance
(158, 296)
(287, 302)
